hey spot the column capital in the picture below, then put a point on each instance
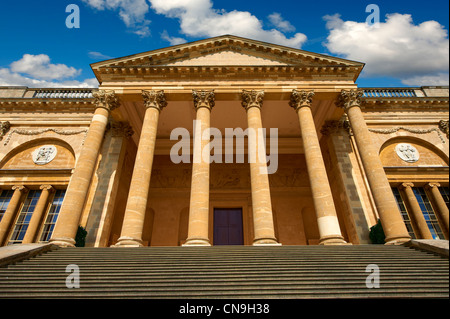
(20, 188)
(204, 98)
(433, 184)
(121, 129)
(301, 99)
(154, 99)
(333, 126)
(349, 98)
(406, 185)
(106, 99)
(252, 98)
(47, 187)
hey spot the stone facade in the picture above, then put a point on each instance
(345, 156)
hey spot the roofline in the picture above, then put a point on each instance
(224, 37)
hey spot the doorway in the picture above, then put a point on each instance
(228, 228)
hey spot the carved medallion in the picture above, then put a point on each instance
(407, 152)
(44, 154)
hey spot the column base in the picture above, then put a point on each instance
(397, 240)
(128, 242)
(333, 240)
(266, 242)
(197, 242)
(63, 242)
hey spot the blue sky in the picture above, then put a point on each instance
(409, 47)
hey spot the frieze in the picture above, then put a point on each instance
(38, 132)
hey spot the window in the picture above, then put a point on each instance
(404, 212)
(445, 194)
(428, 213)
(52, 215)
(25, 216)
(5, 198)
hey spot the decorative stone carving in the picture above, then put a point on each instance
(4, 128)
(106, 99)
(301, 98)
(407, 152)
(408, 129)
(444, 127)
(252, 98)
(204, 99)
(41, 131)
(332, 127)
(121, 129)
(44, 155)
(155, 99)
(349, 98)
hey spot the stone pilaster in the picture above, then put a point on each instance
(69, 217)
(198, 225)
(38, 214)
(133, 223)
(261, 202)
(10, 213)
(329, 230)
(391, 219)
(416, 211)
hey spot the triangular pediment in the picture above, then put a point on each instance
(226, 50)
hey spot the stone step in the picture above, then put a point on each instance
(229, 272)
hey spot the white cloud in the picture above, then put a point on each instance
(132, 13)
(397, 47)
(198, 18)
(172, 40)
(37, 71)
(98, 55)
(39, 66)
(277, 20)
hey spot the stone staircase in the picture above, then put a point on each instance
(229, 272)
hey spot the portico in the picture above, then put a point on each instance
(228, 83)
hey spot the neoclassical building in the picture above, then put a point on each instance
(163, 154)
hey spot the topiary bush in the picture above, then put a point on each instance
(80, 238)
(376, 234)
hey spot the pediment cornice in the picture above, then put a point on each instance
(213, 55)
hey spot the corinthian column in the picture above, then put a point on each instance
(69, 217)
(391, 219)
(10, 213)
(204, 101)
(133, 222)
(261, 203)
(327, 220)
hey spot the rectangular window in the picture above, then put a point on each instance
(445, 194)
(24, 217)
(404, 212)
(428, 213)
(5, 198)
(52, 215)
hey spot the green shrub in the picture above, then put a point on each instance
(80, 238)
(376, 234)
